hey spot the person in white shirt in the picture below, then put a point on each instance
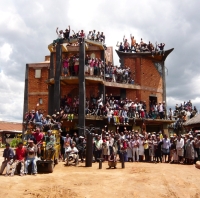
(180, 148)
(165, 147)
(109, 114)
(135, 145)
(161, 110)
(60, 36)
(170, 114)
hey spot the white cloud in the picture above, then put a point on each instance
(27, 27)
(5, 52)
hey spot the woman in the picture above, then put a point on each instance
(189, 155)
(146, 149)
(65, 66)
(141, 148)
(76, 65)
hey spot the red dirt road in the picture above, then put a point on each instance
(136, 180)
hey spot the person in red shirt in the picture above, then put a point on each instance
(20, 154)
(38, 135)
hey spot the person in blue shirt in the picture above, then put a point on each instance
(8, 155)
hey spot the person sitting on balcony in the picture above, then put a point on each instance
(67, 34)
(109, 114)
(102, 38)
(97, 37)
(38, 117)
(89, 36)
(81, 36)
(161, 47)
(47, 123)
(94, 35)
(75, 35)
(60, 36)
(125, 116)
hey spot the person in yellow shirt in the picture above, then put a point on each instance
(146, 149)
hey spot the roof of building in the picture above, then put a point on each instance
(192, 121)
(10, 126)
(148, 55)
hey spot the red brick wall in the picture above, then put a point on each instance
(146, 75)
(37, 88)
(113, 90)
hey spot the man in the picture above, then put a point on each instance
(67, 34)
(74, 152)
(98, 148)
(81, 148)
(161, 47)
(75, 138)
(135, 146)
(38, 117)
(180, 148)
(166, 147)
(161, 110)
(20, 154)
(50, 142)
(133, 42)
(31, 158)
(38, 137)
(197, 146)
(66, 140)
(8, 155)
(60, 36)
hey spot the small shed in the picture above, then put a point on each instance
(9, 130)
(193, 123)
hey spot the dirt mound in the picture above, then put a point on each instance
(50, 192)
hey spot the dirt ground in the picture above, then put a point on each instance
(136, 180)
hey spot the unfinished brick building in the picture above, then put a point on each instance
(45, 84)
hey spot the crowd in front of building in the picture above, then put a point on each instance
(109, 145)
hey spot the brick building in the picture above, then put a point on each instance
(45, 84)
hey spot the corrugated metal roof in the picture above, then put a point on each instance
(194, 120)
(10, 126)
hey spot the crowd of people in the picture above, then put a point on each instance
(117, 110)
(79, 36)
(135, 47)
(97, 68)
(149, 147)
(109, 145)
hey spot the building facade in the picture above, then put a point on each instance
(46, 84)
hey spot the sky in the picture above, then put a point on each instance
(27, 27)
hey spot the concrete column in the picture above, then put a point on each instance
(25, 98)
(51, 87)
(56, 101)
(81, 116)
(51, 69)
(164, 83)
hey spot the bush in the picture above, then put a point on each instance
(14, 143)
